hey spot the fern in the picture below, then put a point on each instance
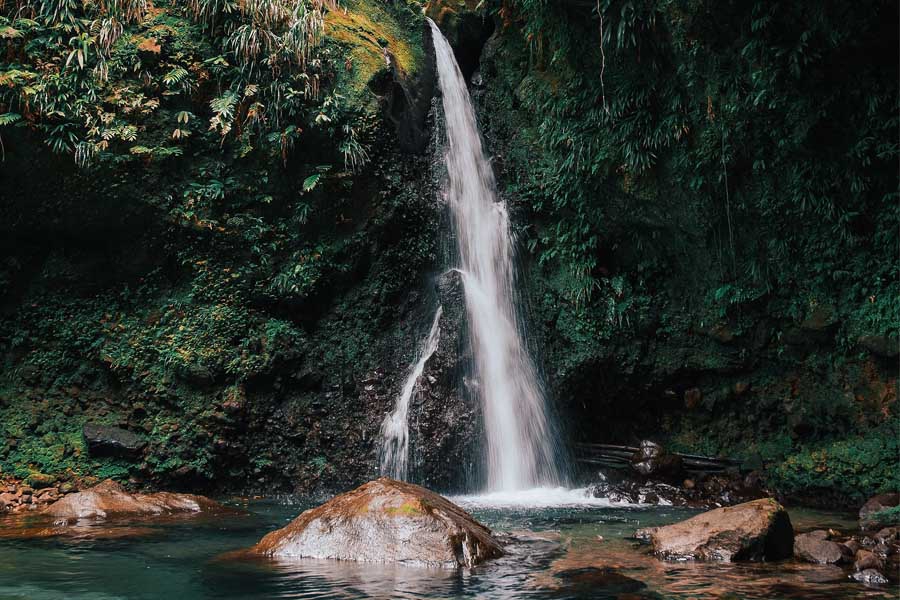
(9, 118)
(223, 108)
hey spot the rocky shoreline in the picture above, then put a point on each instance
(17, 496)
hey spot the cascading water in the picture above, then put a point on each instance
(394, 452)
(521, 444)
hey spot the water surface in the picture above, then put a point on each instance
(565, 551)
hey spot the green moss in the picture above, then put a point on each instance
(364, 30)
(887, 517)
(857, 467)
(408, 509)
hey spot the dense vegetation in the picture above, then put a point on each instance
(212, 237)
(711, 192)
(198, 229)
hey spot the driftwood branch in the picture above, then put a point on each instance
(619, 457)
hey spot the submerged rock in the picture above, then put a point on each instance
(757, 530)
(591, 580)
(109, 499)
(385, 521)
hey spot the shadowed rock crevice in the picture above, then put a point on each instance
(466, 25)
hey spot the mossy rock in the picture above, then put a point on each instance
(40, 480)
(371, 34)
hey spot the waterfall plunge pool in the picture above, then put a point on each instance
(565, 549)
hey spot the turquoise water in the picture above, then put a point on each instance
(561, 553)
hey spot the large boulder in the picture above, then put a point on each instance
(757, 530)
(385, 521)
(109, 499)
(105, 440)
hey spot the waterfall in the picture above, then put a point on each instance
(394, 453)
(521, 446)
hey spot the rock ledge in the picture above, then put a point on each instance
(109, 499)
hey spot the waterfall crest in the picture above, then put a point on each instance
(394, 453)
(521, 445)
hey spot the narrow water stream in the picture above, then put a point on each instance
(394, 450)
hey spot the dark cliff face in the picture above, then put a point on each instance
(446, 425)
(113, 317)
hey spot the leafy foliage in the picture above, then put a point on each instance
(727, 114)
(211, 241)
(857, 466)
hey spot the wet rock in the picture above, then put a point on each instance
(740, 388)
(445, 418)
(720, 332)
(385, 521)
(755, 530)
(405, 98)
(706, 491)
(815, 547)
(652, 460)
(876, 504)
(888, 534)
(867, 560)
(108, 499)
(821, 318)
(882, 549)
(869, 577)
(50, 494)
(466, 25)
(105, 440)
